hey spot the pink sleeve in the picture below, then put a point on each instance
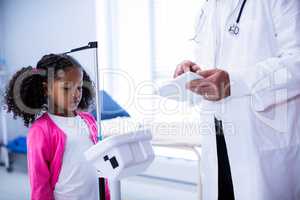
(38, 165)
(92, 123)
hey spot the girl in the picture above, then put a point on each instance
(49, 98)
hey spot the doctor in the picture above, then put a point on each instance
(248, 52)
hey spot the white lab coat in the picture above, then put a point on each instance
(261, 118)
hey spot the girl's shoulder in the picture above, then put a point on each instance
(41, 122)
(44, 127)
(40, 131)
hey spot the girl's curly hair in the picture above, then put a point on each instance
(25, 94)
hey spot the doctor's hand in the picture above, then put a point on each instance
(214, 86)
(186, 66)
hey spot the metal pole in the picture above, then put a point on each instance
(98, 107)
(98, 114)
(5, 141)
(199, 185)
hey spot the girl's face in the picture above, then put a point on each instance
(65, 92)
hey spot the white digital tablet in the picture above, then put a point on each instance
(176, 89)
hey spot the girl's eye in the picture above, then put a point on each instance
(79, 88)
(66, 88)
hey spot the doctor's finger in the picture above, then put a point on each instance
(207, 93)
(195, 68)
(178, 71)
(183, 67)
(198, 83)
(203, 91)
(187, 67)
(207, 73)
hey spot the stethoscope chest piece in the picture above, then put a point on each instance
(234, 29)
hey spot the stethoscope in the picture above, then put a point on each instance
(234, 29)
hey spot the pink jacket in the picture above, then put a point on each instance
(46, 143)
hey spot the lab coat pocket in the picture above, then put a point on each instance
(273, 129)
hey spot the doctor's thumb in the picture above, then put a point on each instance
(206, 73)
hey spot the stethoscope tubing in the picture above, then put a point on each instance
(235, 29)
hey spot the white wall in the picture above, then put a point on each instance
(1, 29)
(36, 27)
(1, 34)
(33, 28)
(2, 74)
